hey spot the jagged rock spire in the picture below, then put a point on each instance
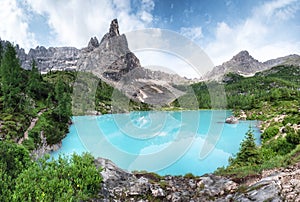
(113, 31)
(93, 43)
(114, 28)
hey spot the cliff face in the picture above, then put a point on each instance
(112, 61)
(51, 59)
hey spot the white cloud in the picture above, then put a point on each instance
(193, 33)
(73, 22)
(145, 11)
(261, 33)
(279, 9)
(166, 62)
(146, 17)
(14, 24)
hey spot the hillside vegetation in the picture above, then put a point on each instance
(37, 109)
(24, 96)
(273, 97)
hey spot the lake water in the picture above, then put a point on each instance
(173, 143)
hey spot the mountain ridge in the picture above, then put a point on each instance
(111, 61)
(245, 65)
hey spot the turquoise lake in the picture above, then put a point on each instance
(172, 143)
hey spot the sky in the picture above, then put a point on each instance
(221, 28)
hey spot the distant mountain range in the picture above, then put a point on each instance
(244, 64)
(113, 62)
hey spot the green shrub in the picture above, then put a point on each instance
(8, 117)
(270, 132)
(267, 153)
(65, 179)
(281, 146)
(292, 119)
(29, 144)
(189, 175)
(6, 185)
(293, 137)
(14, 158)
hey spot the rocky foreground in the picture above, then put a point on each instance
(274, 185)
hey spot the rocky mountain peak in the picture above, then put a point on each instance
(242, 63)
(114, 63)
(111, 61)
(114, 28)
(93, 43)
(243, 57)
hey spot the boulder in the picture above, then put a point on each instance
(231, 120)
(242, 115)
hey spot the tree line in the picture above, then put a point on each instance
(24, 93)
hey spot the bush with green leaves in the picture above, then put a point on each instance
(292, 119)
(293, 137)
(270, 132)
(281, 146)
(13, 160)
(64, 179)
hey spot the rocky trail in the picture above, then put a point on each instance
(32, 124)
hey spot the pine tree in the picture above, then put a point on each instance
(11, 80)
(1, 51)
(34, 82)
(248, 153)
(1, 54)
(62, 96)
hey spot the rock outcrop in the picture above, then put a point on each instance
(273, 185)
(113, 30)
(281, 184)
(119, 185)
(93, 43)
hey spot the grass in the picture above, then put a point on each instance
(150, 175)
(242, 173)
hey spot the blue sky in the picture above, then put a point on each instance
(266, 28)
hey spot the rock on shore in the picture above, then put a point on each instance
(119, 185)
(231, 120)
